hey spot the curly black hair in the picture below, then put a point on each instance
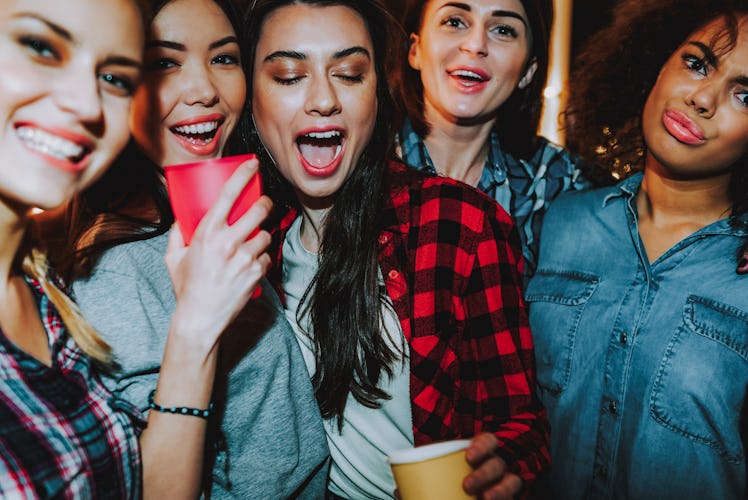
(617, 68)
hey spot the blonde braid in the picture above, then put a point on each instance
(35, 265)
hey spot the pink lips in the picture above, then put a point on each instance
(320, 150)
(682, 128)
(469, 80)
(65, 165)
(200, 144)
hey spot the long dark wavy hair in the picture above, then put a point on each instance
(518, 118)
(130, 202)
(344, 301)
(617, 68)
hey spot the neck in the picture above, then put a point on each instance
(458, 151)
(13, 223)
(666, 200)
(312, 226)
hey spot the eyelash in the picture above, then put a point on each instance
(39, 46)
(121, 84)
(226, 59)
(505, 30)
(695, 63)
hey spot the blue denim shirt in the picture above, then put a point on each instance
(524, 188)
(643, 368)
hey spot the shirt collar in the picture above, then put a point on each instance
(628, 188)
(414, 150)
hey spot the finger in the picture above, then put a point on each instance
(257, 244)
(489, 472)
(175, 246)
(219, 212)
(251, 220)
(508, 488)
(482, 447)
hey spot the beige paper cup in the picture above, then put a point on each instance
(431, 472)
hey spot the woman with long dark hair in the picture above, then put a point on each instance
(639, 318)
(265, 436)
(404, 289)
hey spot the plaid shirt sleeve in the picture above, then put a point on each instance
(459, 299)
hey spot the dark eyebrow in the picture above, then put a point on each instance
(742, 80)
(284, 54)
(166, 44)
(123, 61)
(709, 55)
(350, 51)
(495, 13)
(63, 33)
(300, 56)
(59, 30)
(223, 41)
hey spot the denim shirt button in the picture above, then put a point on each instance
(601, 471)
(624, 338)
(612, 407)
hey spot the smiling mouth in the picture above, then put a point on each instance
(52, 145)
(199, 134)
(468, 77)
(320, 149)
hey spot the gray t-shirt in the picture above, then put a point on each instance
(271, 442)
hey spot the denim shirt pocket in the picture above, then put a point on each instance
(699, 390)
(557, 300)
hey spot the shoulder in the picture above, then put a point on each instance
(424, 199)
(139, 262)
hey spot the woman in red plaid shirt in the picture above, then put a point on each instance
(404, 289)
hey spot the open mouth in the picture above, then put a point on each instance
(468, 77)
(52, 145)
(198, 134)
(320, 149)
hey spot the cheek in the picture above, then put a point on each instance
(235, 93)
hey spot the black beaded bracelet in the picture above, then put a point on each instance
(179, 410)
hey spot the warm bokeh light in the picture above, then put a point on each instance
(555, 92)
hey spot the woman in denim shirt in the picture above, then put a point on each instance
(639, 318)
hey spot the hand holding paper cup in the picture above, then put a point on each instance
(433, 472)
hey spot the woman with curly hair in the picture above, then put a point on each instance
(641, 325)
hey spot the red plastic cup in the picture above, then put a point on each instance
(194, 187)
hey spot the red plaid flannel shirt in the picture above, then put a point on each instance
(451, 261)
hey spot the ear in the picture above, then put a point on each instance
(414, 52)
(532, 67)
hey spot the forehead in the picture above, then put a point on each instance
(479, 7)
(313, 29)
(190, 17)
(101, 25)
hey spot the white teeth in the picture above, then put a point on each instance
(50, 144)
(199, 128)
(468, 74)
(324, 135)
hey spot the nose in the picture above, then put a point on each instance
(80, 95)
(475, 41)
(199, 87)
(322, 99)
(703, 98)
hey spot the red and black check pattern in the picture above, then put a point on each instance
(451, 260)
